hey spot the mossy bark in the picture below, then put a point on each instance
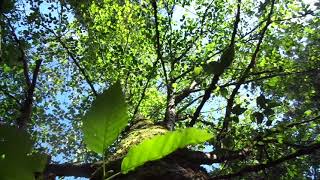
(174, 166)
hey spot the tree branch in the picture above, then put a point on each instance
(270, 76)
(68, 169)
(226, 60)
(195, 158)
(256, 168)
(26, 109)
(170, 110)
(303, 122)
(201, 32)
(22, 58)
(136, 109)
(74, 59)
(189, 104)
(158, 44)
(230, 101)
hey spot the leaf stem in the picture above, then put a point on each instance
(112, 176)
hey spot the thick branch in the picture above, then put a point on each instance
(187, 91)
(81, 170)
(194, 158)
(206, 96)
(198, 158)
(26, 109)
(184, 93)
(189, 104)
(170, 110)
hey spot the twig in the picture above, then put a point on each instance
(189, 104)
(10, 96)
(136, 109)
(255, 168)
(23, 55)
(201, 32)
(74, 59)
(270, 76)
(158, 44)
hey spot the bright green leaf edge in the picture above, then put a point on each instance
(162, 145)
(105, 120)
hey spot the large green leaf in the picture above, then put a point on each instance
(16, 162)
(105, 120)
(162, 145)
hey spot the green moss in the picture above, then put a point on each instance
(140, 131)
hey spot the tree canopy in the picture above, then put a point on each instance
(204, 89)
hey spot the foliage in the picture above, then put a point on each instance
(162, 145)
(139, 132)
(15, 151)
(105, 119)
(246, 70)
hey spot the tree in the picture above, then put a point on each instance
(142, 89)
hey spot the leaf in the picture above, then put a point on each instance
(308, 112)
(280, 138)
(224, 92)
(273, 82)
(105, 119)
(162, 145)
(227, 57)
(213, 68)
(6, 6)
(268, 111)
(238, 110)
(261, 101)
(174, 85)
(259, 117)
(39, 161)
(197, 70)
(227, 142)
(273, 104)
(235, 119)
(15, 160)
(260, 143)
(268, 123)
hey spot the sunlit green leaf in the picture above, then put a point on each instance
(197, 70)
(162, 145)
(105, 119)
(308, 112)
